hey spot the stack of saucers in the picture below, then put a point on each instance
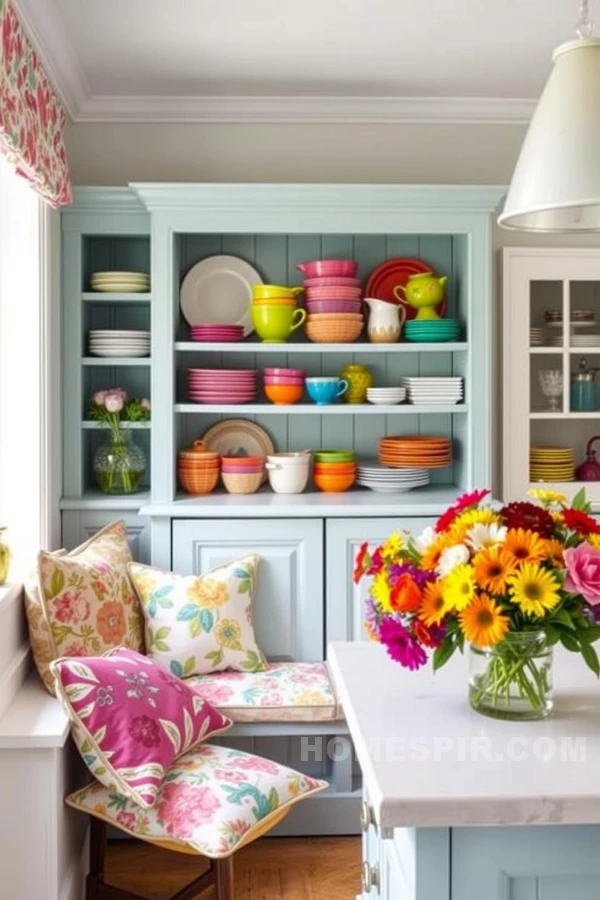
(536, 337)
(585, 340)
(119, 343)
(218, 334)
(415, 452)
(385, 480)
(386, 396)
(120, 282)
(433, 391)
(423, 331)
(221, 385)
(554, 464)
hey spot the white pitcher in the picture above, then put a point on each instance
(385, 321)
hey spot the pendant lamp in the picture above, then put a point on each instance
(556, 183)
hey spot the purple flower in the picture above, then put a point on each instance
(400, 645)
(371, 617)
(419, 576)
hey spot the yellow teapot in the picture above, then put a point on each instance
(423, 292)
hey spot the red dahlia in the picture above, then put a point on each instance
(580, 522)
(529, 517)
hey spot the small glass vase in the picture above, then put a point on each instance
(4, 557)
(513, 680)
(119, 464)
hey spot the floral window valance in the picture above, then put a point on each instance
(31, 116)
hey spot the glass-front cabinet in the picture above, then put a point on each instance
(551, 399)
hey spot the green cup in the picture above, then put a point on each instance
(274, 323)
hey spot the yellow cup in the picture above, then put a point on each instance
(275, 323)
(273, 291)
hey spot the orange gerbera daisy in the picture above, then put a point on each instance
(554, 552)
(433, 607)
(483, 623)
(492, 566)
(525, 546)
(431, 555)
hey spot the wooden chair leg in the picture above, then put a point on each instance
(224, 877)
(97, 852)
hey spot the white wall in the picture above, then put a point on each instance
(426, 154)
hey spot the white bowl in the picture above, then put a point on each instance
(286, 479)
(290, 459)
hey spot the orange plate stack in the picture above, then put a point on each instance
(411, 452)
(198, 469)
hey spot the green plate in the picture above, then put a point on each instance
(335, 456)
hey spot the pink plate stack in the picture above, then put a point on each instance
(333, 300)
(221, 385)
(217, 334)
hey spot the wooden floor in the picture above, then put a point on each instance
(270, 869)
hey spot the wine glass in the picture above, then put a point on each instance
(551, 383)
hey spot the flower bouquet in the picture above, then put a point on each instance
(119, 463)
(511, 581)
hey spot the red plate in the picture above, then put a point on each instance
(385, 277)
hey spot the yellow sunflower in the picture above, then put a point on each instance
(380, 591)
(459, 587)
(433, 607)
(483, 623)
(554, 552)
(547, 498)
(492, 566)
(393, 545)
(525, 546)
(534, 589)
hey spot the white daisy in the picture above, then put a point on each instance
(425, 539)
(481, 536)
(451, 558)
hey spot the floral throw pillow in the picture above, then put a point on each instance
(213, 801)
(87, 599)
(131, 719)
(200, 623)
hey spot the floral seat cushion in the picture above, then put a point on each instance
(212, 801)
(286, 692)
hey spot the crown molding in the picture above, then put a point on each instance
(44, 27)
(43, 24)
(306, 110)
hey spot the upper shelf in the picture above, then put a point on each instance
(312, 409)
(287, 347)
(100, 297)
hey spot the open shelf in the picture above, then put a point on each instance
(311, 409)
(116, 361)
(256, 346)
(99, 426)
(102, 297)
(572, 416)
(92, 499)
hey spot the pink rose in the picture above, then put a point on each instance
(256, 764)
(272, 699)
(72, 607)
(214, 693)
(230, 775)
(145, 731)
(113, 402)
(183, 807)
(126, 819)
(99, 397)
(146, 404)
(583, 572)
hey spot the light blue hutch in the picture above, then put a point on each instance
(306, 597)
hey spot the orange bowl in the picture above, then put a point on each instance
(198, 482)
(334, 484)
(249, 462)
(284, 394)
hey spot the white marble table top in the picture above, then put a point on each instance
(429, 760)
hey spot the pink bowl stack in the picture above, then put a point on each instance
(221, 385)
(333, 300)
(217, 334)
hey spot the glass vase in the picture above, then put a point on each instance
(4, 558)
(513, 680)
(119, 464)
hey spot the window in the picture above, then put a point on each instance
(21, 364)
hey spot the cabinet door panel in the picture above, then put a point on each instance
(80, 525)
(288, 607)
(550, 862)
(345, 600)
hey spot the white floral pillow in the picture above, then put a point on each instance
(197, 624)
(213, 800)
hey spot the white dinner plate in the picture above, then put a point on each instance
(218, 290)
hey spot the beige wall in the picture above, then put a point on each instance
(426, 154)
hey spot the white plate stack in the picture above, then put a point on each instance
(385, 480)
(120, 282)
(588, 340)
(386, 396)
(434, 391)
(119, 343)
(536, 337)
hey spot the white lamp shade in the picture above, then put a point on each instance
(556, 183)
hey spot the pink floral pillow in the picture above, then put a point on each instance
(131, 719)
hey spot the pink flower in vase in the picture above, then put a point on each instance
(583, 572)
(146, 404)
(99, 397)
(114, 402)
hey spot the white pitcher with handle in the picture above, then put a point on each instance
(385, 321)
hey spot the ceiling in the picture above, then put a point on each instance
(252, 60)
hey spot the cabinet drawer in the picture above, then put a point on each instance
(288, 607)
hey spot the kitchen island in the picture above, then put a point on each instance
(462, 807)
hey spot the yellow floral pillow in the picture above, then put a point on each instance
(87, 600)
(200, 623)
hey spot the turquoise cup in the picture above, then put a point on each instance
(324, 391)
